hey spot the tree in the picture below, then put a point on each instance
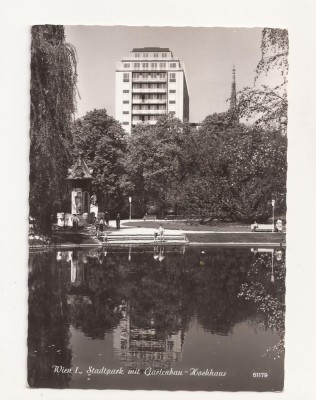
(103, 142)
(274, 51)
(53, 102)
(266, 105)
(238, 170)
(269, 299)
(157, 163)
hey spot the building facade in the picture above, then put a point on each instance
(150, 82)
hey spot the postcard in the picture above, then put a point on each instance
(157, 223)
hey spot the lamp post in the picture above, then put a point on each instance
(130, 207)
(272, 273)
(273, 204)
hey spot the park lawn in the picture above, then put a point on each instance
(252, 237)
(214, 226)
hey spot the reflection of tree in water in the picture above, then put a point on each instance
(93, 302)
(265, 287)
(154, 301)
(214, 285)
(48, 329)
(147, 303)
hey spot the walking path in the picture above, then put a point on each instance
(134, 229)
(220, 236)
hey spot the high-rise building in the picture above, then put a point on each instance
(150, 82)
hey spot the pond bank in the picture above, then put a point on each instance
(141, 236)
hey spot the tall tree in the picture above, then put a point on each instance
(158, 162)
(238, 170)
(103, 142)
(267, 105)
(53, 103)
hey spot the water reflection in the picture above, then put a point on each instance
(269, 298)
(147, 299)
(141, 347)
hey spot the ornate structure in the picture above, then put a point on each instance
(80, 179)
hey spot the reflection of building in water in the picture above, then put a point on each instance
(141, 348)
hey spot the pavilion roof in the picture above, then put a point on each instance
(80, 170)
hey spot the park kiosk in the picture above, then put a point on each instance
(80, 180)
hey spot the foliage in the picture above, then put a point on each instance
(48, 328)
(225, 170)
(239, 170)
(274, 51)
(103, 142)
(53, 91)
(157, 162)
(270, 301)
(268, 106)
(265, 105)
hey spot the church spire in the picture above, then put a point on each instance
(233, 97)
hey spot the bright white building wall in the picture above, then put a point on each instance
(149, 83)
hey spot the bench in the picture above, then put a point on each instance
(173, 217)
(263, 228)
(150, 217)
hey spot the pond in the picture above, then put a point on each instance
(163, 317)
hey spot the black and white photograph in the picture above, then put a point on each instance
(158, 165)
(157, 225)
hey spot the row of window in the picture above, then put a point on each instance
(146, 75)
(145, 117)
(149, 86)
(172, 76)
(151, 65)
(155, 96)
(149, 107)
(145, 55)
(127, 102)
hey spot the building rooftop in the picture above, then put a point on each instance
(139, 49)
(80, 170)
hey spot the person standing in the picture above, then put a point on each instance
(118, 221)
(161, 232)
(75, 223)
(101, 225)
(156, 232)
(279, 225)
(106, 217)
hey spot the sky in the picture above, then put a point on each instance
(208, 55)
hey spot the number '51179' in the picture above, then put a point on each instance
(259, 374)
